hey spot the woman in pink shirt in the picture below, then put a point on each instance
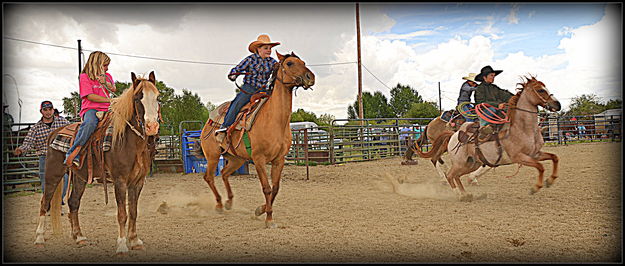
(96, 87)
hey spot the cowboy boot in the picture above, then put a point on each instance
(485, 132)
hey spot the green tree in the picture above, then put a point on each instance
(325, 120)
(423, 110)
(302, 116)
(185, 107)
(72, 105)
(585, 104)
(402, 98)
(614, 104)
(374, 106)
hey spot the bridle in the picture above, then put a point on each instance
(542, 99)
(298, 81)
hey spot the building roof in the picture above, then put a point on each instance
(618, 111)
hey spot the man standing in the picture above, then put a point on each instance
(36, 139)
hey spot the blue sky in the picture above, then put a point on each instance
(537, 31)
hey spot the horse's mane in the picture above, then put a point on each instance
(525, 82)
(123, 108)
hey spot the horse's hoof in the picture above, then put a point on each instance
(121, 254)
(270, 225)
(39, 245)
(550, 181)
(259, 211)
(533, 191)
(137, 247)
(81, 240)
(228, 205)
(219, 210)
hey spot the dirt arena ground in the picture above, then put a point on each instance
(351, 213)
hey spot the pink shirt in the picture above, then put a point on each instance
(89, 86)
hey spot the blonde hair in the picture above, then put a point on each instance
(94, 65)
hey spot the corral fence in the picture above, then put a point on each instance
(343, 141)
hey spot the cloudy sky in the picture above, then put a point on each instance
(574, 48)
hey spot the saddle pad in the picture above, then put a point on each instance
(218, 115)
(447, 115)
(62, 142)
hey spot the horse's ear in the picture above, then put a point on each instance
(135, 81)
(280, 56)
(152, 78)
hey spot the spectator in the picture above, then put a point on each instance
(36, 139)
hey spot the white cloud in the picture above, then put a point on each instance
(589, 62)
(512, 17)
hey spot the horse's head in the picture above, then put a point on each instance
(291, 70)
(539, 95)
(146, 103)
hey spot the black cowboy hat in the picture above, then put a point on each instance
(485, 71)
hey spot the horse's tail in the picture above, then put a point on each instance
(424, 137)
(439, 146)
(55, 209)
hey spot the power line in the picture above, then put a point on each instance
(363, 65)
(157, 58)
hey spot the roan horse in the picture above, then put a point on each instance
(431, 132)
(270, 137)
(127, 163)
(521, 143)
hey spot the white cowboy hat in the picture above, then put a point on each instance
(470, 77)
(262, 39)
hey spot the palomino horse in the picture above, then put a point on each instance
(521, 143)
(431, 132)
(270, 137)
(128, 162)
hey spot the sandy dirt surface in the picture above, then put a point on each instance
(352, 213)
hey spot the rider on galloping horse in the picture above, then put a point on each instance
(489, 93)
(257, 68)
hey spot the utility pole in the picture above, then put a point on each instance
(79, 59)
(440, 108)
(360, 107)
(74, 103)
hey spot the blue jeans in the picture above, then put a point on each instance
(239, 101)
(491, 112)
(89, 123)
(465, 108)
(42, 175)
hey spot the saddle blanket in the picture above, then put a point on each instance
(62, 142)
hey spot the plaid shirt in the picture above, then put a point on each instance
(258, 70)
(37, 135)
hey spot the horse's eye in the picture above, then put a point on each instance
(289, 63)
(540, 91)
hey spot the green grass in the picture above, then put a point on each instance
(21, 194)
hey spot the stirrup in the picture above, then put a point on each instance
(221, 130)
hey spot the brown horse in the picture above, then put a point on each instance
(270, 137)
(521, 143)
(127, 163)
(432, 131)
